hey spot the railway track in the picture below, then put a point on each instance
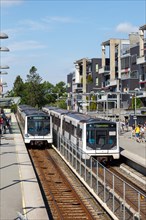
(65, 196)
(131, 192)
(134, 193)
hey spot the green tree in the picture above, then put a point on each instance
(49, 97)
(18, 89)
(136, 101)
(60, 93)
(34, 90)
(60, 88)
(93, 104)
(18, 86)
(35, 93)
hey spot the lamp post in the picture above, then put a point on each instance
(1, 82)
(3, 36)
(135, 117)
(134, 104)
(2, 49)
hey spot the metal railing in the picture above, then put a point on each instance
(96, 178)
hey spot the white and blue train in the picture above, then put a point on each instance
(35, 125)
(95, 137)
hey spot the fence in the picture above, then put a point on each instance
(113, 194)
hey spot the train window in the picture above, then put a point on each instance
(111, 140)
(91, 137)
(57, 121)
(46, 127)
(66, 126)
(79, 132)
(101, 140)
(72, 129)
(38, 127)
(63, 126)
(63, 132)
(75, 131)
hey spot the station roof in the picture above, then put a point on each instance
(8, 101)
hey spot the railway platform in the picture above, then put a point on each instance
(20, 195)
(133, 152)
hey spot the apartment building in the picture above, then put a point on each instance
(82, 81)
(114, 78)
(141, 62)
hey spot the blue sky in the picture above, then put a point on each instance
(52, 35)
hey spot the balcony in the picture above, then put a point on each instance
(125, 76)
(141, 94)
(105, 69)
(114, 82)
(142, 81)
(141, 60)
(105, 83)
(77, 87)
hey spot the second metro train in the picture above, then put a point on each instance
(95, 137)
(35, 125)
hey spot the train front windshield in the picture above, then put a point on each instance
(38, 125)
(101, 136)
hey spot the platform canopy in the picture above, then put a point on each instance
(8, 101)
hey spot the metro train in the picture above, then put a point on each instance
(35, 125)
(95, 137)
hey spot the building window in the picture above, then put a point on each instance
(96, 81)
(96, 67)
(134, 74)
(125, 62)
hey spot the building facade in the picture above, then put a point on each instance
(113, 79)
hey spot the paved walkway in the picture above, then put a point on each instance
(19, 190)
(132, 149)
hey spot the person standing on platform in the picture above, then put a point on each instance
(145, 125)
(126, 124)
(133, 131)
(137, 133)
(4, 122)
(1, 126)
(142, 133)
(122, 124)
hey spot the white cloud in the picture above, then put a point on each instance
(126, 28)
(26, 45)
(13, 32)
(46, 24)
(59, 19)
(33, 25)
(7, 3)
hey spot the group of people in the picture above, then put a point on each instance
(4, 122)
(138, 132)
